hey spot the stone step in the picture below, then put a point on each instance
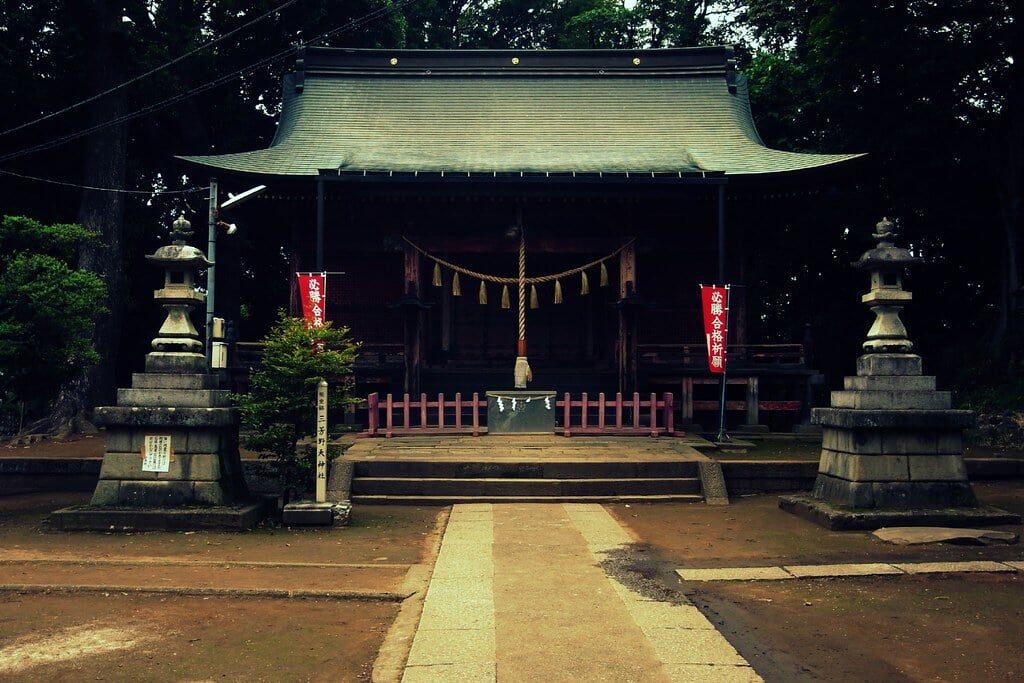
(527, 470)
(500, 487)
(452, 500)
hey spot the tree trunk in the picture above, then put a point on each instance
(105, 166)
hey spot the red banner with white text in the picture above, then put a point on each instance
(313, 293)
(715, 304)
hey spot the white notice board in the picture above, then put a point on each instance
(156, 453)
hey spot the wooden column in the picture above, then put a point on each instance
(413, 323)
(627, 343)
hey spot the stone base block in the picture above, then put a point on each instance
(898, 399)
(158, 494)
(894, 441)
(889, 364)
(850, 418)
(89, 518)
(839, 518)
(166, 380)
(308, 514)
(894, 494)
(889, 383)
(177, 398)
(176, 363)
(183, 466)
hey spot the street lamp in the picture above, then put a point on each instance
(211, 253)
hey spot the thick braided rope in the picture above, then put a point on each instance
(515, 280)
(522, 287)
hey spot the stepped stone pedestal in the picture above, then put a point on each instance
(192, 478)
(205, 468)
(892, 446)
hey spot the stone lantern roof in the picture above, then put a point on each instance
(886, 256)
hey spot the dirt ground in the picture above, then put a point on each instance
(114, 637)
(135, 613)
(945, 627)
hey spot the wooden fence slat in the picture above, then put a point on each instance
(458, 410)
(566, 423)
(476, 414)
(390, 418)
(373, 413)
(600, 411)
(669, 409)
(654, 415)
(583, 410)
(618, 411)
(636, 410)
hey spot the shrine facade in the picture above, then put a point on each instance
(470, 207)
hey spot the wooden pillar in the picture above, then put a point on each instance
(627, 342)
(413, 323)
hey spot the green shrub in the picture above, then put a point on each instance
(279, 411)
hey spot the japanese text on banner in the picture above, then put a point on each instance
(715, 304)
(313, 293)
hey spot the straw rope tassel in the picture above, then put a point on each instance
(436, 281)
(584, 283)
(604, 274)
(504, 297)
(534, 302)
(558, 292)
(483, 293)
(456, 286)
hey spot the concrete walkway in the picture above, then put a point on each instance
(517, 595)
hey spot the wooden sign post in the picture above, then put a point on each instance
(321, 442)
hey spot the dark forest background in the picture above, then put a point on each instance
(931, 89)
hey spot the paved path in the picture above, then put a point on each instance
(517, 595)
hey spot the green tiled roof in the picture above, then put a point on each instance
(661, 111)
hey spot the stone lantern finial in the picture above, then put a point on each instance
(886, 299)
(181, 230)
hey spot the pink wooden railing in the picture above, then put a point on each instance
(606, 417)
(430, 415)
(389, 417)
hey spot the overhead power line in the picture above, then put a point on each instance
(103, 189)
(354, 24)
(158, 69)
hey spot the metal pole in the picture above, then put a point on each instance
(320, 225)
(722, 436)
(211, 280)
(721, 278)
(721, 234)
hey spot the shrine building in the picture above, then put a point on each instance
(628, 177)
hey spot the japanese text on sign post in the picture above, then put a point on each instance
(313, 293)
(715, 302)
(321, 442)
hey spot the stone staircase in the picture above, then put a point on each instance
(624, 470)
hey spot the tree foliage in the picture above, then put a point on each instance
(279, 411)
(930, 89)
(47, 309)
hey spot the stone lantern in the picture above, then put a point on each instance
(886, 263)
(179, 295)
(171, 459)
(892, 446)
